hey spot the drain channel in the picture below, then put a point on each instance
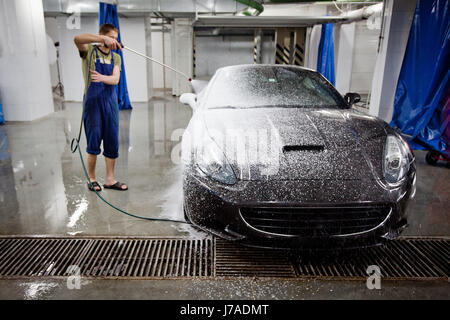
(172, 257)
(106, 257)
(402, 259)
(235, 260)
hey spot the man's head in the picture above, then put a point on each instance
(108, 29)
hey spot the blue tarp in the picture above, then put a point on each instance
(2, 118)
(325, 56)
(108, 14)
(422, 99)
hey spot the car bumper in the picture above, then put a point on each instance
(218, 209)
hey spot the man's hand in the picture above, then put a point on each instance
(111, 80)
(111, 43)
(97, 77)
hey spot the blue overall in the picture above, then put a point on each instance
(101, 113)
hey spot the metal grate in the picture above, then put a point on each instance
(235, 260)
(106, 257)
(150, 258)
(407, 258)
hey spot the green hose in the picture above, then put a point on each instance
(109, 203)
(252, 4)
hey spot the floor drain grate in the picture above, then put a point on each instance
(407, 258)
(154, 258)
(106, 257)
(235, 260)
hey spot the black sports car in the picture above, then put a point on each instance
(274, 156)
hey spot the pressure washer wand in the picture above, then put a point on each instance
(156, 61)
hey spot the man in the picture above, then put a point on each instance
(101, 111)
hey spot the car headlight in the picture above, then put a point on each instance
(396, 159)
(212, 162)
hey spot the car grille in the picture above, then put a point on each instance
(315, 221)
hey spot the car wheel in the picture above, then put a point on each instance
(432, 157)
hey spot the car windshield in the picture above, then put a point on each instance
(270, 86)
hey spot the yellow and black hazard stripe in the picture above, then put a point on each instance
(299, 55)
(281, 54)
(255, 50)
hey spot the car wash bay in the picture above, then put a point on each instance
(50, 220)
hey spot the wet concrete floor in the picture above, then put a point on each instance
(238, 289)
(43, 189)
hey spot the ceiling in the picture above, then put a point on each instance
(166, 7)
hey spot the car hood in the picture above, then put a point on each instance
(298, 143)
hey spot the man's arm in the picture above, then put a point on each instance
(82, 41)
(111, 80)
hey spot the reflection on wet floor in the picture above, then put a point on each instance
(43, 189)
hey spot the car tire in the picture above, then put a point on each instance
(432, 157)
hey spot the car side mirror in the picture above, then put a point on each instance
(352, 98)
(189, 99)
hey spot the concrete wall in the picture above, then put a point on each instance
(167, 43)
(157, 53)
(181, 59)
(344, 51)
(268, 50)
(161, 51)
(70, 62)
(364, 57)
(214, 52)
(133, 35)
(25, 86)
(51, 28)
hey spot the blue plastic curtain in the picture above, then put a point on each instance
(2, 119)
(108, 14)
(325, 55)
(422, 99)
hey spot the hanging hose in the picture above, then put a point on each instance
(252, 4)
(75, 144)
